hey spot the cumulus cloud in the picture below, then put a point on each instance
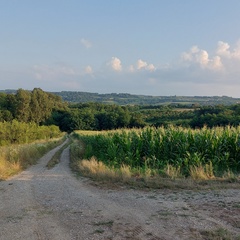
(188, 56)
(223, 49)
(200, 72)
(216, 63)
(86, 43)
(144, 65)
(115, 64)
(151, 67)
(201, 58)
(141, 64)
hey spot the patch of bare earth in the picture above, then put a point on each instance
(54, 204)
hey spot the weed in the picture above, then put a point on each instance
(56, 157)
(104, 223)
(217, 234)
(99, 231)
(202, 172)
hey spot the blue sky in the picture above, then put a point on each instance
(149, 47)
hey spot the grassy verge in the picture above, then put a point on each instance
(98, 171)
(15, 158)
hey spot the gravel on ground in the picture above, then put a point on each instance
(56, 205)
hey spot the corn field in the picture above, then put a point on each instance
(156, 148)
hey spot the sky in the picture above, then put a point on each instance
(147, 47)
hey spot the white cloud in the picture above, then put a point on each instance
(223, 49)
(236, 52)
(115, 64)
(151, 67)
(144, 65)
(202, 59)
(216, 63)
(141, 64)
(86, 43)
(194, 49)
(201, 72)
(188, 56)
(88, 70)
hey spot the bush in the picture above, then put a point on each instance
(15, 132)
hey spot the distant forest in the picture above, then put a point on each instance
(91, 111)
(131, 99)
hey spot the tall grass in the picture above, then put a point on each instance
(15, 158)
(184, 151)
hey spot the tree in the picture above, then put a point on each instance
(3, 99)
(136, 121)
(5, 116)
(123, 117)
(23, 99)
(42, 105)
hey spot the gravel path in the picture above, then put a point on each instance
(54, 204)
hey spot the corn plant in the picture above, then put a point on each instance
(157, 148)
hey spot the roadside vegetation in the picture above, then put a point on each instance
(15, 158)
(152, 154)
(172, 141)
(16, 132)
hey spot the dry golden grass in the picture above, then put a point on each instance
(173, 172)
(7, 168)
(96, 169)
(202, 172)
(172, 178)
(15, 158)
(94, 132)
(125, 172)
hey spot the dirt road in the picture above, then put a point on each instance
(55, 205)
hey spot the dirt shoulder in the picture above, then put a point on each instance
(54, 204)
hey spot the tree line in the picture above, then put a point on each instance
(132, 99)
(43, 108)
(29, 106)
